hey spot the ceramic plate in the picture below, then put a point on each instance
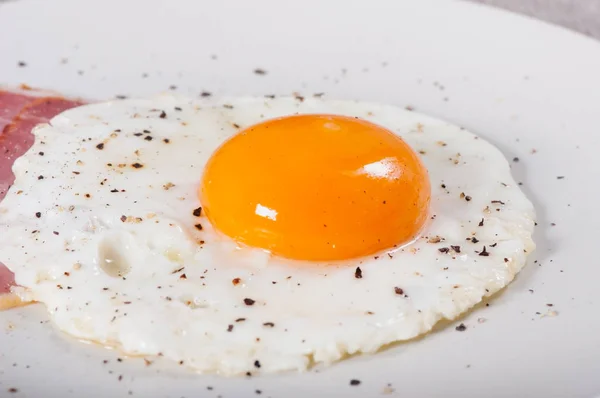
(530, 88)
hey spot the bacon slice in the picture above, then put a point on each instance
(7, 279)
(20, 111)
(10, 106)
(16, 137)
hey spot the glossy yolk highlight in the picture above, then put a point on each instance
(316, 187)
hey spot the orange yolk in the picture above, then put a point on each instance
(316, 187)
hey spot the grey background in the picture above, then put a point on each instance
(580, 15)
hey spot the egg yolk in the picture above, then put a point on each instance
(316, 187)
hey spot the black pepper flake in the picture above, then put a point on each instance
(461, 327)
(455, 248)
(484, 252)
(178, 109)
(21, 64)
(515, 160)
(398, 290)
(443, 250)
(258, 392)
(163, 114)
(227, 106)
(40, 177)
(240, 319)
(498, 202)
(205, 94)
(197, 212)
(257, 364)
(38, 214)
(41, 153)
(198, 227)
(137, 165)
(494, 245)
(123, 218)
(560, 177)
(148, 138)
(358, 273)
(249, 301)
(259, 71)
(100, 146)
(229, 328)
(55, 233)
(270, 96)
(183, 276)
(474, 240)
(481, 222)
(354, 382)
(13, 390)
(138, 134)
(269, 324)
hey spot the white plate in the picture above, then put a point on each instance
(524, 85)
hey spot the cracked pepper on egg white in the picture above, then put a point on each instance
(103, 231)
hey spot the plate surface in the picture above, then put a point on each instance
(530, 88)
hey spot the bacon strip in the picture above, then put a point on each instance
(19, 113)
(10, 106)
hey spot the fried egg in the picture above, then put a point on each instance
(251, 235)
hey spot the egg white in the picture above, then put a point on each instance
(94, 193)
